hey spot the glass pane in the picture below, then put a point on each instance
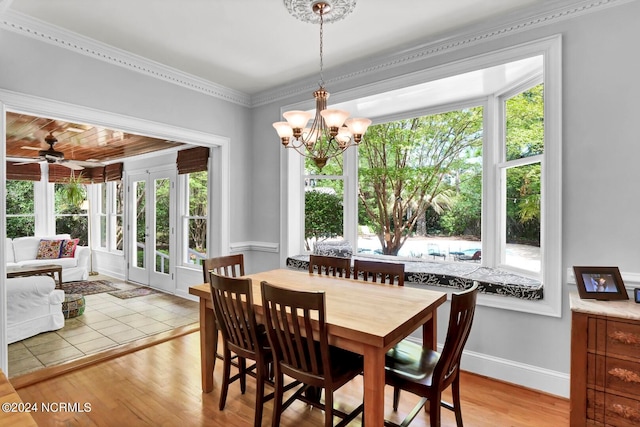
(420, 186)
(20, 226)
(103, 199)
(140, 224)
(163, 204)
(323, 210)
(20, 198)
(525, 124)
(198, 194)
(197, 240)
(522, 248)
(74, 225)
(119, 197)
(119, 233)
(103, 231)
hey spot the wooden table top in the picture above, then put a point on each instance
(364, 312)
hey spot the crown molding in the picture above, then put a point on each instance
(30, 27)
(37, 29)
(432, 49)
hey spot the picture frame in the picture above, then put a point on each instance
(601, 283)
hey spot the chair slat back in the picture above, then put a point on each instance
(233, 307)
(330, 265)
(228, 265)
(463, 306)
(385, 272)
(290, 317)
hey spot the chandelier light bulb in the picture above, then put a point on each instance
(297, 120)
(334, 119)
(284, 132)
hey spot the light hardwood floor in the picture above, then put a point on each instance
(160, 385)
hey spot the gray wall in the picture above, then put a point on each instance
(601, 149)
(600, 152)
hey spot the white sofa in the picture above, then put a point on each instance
(23, 251)
(34, 306)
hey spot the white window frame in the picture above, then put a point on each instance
(292, 225)
(183, 200)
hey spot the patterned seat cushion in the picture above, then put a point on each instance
(339, 248)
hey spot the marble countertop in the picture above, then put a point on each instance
(622, 309)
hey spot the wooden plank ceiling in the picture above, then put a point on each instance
(76, 141)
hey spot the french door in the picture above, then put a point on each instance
(151, 229)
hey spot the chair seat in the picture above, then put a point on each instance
(412, 362)
(347, 364)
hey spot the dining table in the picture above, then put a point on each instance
(364, 317)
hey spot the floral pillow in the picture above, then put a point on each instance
(49, 249)
(68, 248)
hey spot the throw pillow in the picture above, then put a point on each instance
(68, 248)
(48, 249)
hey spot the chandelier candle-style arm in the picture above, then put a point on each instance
(330, 132)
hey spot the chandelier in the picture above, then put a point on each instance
(331, 131)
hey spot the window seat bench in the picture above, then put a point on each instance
(458, 275)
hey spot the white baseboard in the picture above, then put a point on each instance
(529, 376)
(534, 377)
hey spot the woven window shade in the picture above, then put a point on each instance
(113, 172)
(24, 172)
(193, 160)
(61, 174)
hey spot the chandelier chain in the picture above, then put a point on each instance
(321, 47)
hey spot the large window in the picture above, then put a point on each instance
(20, 209)
(110, 213)
(71, 214)
(195, 218)
(473, 159)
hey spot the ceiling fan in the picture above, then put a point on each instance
(50, 155)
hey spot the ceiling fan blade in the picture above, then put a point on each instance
(70, 165)
(24, 147)
(28, 162)
(86, 164)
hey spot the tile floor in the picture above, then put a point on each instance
(107, 322)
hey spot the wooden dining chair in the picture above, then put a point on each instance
(330, 265)
(230, 266)
(289, 318)
(232, 300)
(427, 373)
(385, 272)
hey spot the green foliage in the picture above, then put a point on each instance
(464, 215)
(405, 169)
(323, 216)
(20, 201)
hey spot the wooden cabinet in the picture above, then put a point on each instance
(605, 363)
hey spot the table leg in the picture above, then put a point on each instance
(430, 332)
(374, 386)
(207, 345)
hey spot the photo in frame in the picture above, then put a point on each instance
(601, 283)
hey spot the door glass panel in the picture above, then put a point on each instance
(162, 187)
(140, 223)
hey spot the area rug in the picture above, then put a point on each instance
(133, 293)
(86, 287)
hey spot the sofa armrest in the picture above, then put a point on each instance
(82, 255)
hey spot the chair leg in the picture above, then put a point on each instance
(226, 373)
(396, 398)
(328, 408)
(455, 392)
(242, 367)
(434, 410)
(260, 379)
(277, 397)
